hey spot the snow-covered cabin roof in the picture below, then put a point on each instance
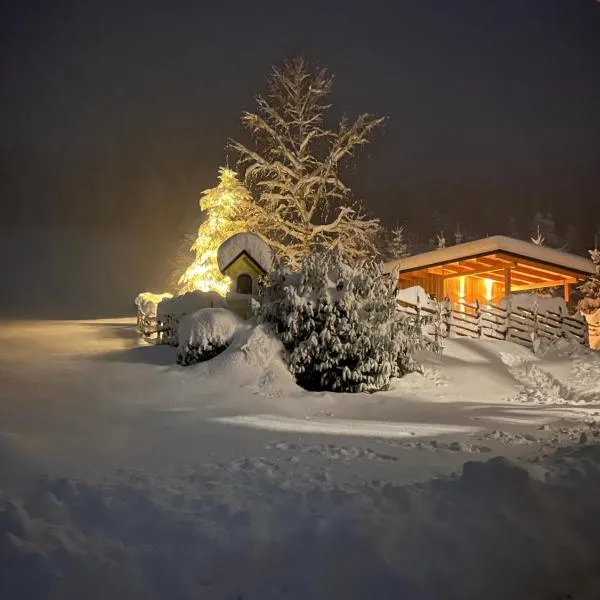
(245, 243)
(492, 245)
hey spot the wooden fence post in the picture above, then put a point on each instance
(563, 326)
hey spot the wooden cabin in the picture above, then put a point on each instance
(488, 269)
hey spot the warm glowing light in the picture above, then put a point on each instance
(220, 204)
(489, 288)
(461, 293)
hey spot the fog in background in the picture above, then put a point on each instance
(70, 273)
(115, 116)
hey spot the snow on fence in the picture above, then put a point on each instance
(147, 305)
(518, 324)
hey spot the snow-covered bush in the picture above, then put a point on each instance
(205, 333)
(171, 311)
(188, 303)
(339, 325)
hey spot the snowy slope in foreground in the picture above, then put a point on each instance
(243, 529)
(123, 475)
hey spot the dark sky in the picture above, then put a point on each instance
(116, 114)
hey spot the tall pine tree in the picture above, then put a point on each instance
(397, 247)
(221, 206)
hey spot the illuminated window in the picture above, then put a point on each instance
(244, 284)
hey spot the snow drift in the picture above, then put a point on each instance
(497, 531)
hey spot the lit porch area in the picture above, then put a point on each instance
(486, 270)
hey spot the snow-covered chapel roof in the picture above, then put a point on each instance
(491, 245)
(244, 243)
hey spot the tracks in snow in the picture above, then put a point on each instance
(539, 386)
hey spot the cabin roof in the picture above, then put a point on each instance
(494, 245)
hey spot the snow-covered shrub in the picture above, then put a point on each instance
(339, 325)
(172, 310)
(188, 303)
(205, 333)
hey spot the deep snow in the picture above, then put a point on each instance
(124, 475)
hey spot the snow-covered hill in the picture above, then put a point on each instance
(124, 475)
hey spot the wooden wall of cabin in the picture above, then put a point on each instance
(432, 284)
(471, 289)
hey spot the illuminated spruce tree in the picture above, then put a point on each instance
(220, 206)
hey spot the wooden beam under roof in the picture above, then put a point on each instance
(547, 284)
(478, 270)
(501, 279)
(551, 270)
(534, 274)
(483, 270)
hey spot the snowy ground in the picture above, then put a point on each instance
(123, 475)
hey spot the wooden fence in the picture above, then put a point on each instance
(489, 321)
(146, 325)
(164, 331)
(442, 319)
(168, 328)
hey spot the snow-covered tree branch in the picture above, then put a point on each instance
(590, 288)
(300, 202)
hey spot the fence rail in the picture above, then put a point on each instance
(163, 330)
(146, 325)
(490, 321)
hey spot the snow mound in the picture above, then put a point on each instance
(206, 331)
(147, 302)
(190, 302)
(253, 359)
(415, 296)
(250, 243)
(534, 302)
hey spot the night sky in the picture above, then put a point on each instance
(115, 115)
